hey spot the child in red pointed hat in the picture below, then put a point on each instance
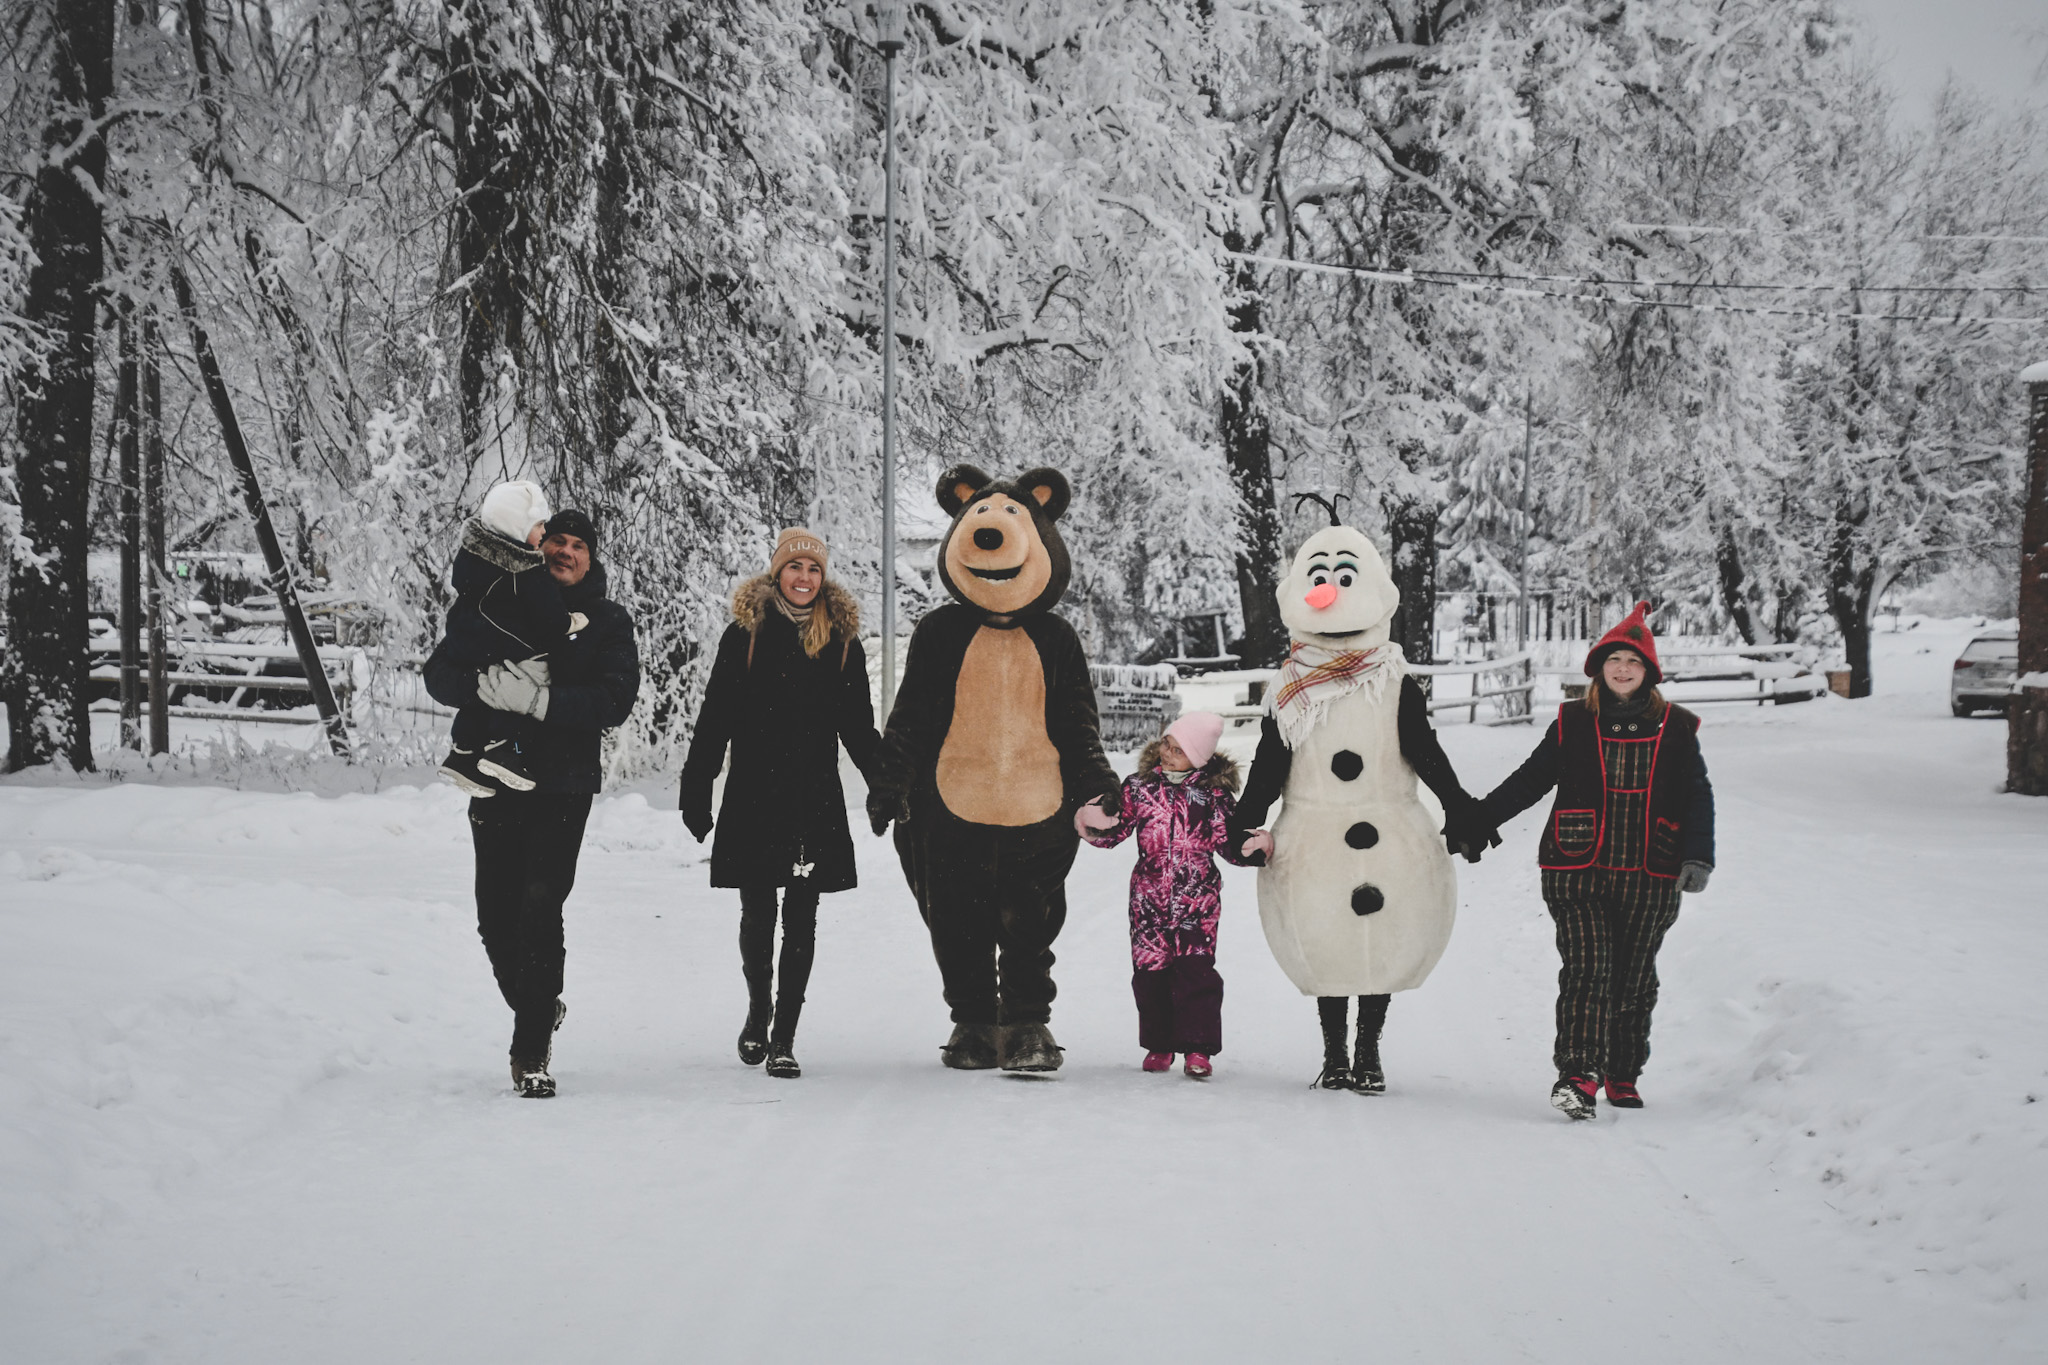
(1631, 828)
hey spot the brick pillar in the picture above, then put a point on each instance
(2026, 745)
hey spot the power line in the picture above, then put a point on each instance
(1499, 286)
(1711, 284)
(1705, 230)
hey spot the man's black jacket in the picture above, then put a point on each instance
(594, 680)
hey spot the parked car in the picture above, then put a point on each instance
(1984, 673)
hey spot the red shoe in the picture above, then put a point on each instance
(1622, 1094)
(1158, 1061)
(1574, 1095)
(1198, 1066)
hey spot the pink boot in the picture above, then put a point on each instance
(1198, 1066)
(1158, 1061)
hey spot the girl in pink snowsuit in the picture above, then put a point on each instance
(1179, 804)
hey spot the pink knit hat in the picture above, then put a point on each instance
(1197, 733)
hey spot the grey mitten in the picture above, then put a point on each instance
(1693, 876)
(521, 688)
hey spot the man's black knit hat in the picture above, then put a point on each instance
(570, 522)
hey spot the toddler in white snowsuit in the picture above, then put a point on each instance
(508, 610)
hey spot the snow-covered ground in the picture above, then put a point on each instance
(253, 1105)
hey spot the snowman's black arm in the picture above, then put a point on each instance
(1270, 766)
(1425, 752)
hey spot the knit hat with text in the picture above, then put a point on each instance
(572, 522)
(796, 542)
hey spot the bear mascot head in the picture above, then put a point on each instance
(1003, 554)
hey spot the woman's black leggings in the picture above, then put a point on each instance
(757, 955)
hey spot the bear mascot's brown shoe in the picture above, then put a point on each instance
(990, 748)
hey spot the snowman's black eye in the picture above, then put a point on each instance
(1343, 580)
(1318, 578)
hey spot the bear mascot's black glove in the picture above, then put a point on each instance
(1112, 801)
(884, 807)
(698, 822)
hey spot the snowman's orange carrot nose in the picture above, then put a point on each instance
(1321, 595)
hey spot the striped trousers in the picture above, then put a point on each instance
(1609, 926)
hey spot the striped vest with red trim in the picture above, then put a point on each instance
(1575, 835)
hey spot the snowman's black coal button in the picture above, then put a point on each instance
(1361, 835)
(1346, 765)
(1366, 899)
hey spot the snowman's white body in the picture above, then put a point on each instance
(1338, 595)
(1305, 893)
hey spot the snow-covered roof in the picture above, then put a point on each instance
(2035, 374)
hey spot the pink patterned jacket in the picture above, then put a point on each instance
(1176, 889)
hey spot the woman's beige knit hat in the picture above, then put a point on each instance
(796, 542)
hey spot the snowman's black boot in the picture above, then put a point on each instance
(1336, 1072)
(1366, 1076)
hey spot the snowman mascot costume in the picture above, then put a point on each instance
(1357, 895)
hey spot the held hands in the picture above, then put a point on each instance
(1467, 833)
(1092, 816)
(521, 688)
(1693, 876)
(884, 807)
(1258, 843)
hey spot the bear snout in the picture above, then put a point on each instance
(988, 538)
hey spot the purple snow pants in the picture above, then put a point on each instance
(1180, 1006)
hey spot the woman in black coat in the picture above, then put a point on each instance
(790, 684)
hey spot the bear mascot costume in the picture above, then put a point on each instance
(991, 746)
(1358, 895)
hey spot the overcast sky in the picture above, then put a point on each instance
(1995, 45)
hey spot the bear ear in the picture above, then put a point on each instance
(958, 485)
(1048, 488)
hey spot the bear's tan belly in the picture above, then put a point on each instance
(998, 766)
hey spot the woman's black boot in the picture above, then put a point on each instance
(1336, 1072)
(781, 1064)
(757, 964)
(754, 1036)
(1366, 1076)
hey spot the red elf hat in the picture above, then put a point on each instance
(1633, 633)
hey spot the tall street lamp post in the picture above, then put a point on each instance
(889, 38)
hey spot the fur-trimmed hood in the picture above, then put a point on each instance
(1219, 773)
(834, 613)
(498, 550)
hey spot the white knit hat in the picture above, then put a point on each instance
(513, 509)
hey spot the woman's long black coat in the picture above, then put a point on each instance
(784, 714)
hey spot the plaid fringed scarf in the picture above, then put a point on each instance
(1313, 676)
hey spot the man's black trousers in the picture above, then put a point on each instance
(526, 848)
